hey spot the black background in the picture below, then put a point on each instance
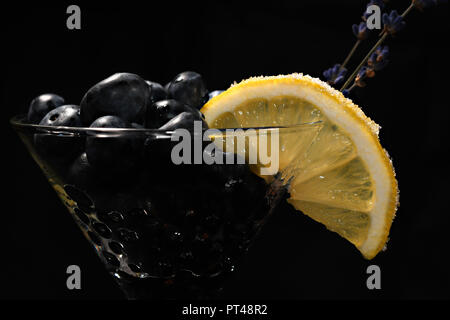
(295, 258)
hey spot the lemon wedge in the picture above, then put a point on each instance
(339, 175)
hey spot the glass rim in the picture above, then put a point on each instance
(18, 122)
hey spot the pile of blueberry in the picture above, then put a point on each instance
(123, 100)
(148, 218)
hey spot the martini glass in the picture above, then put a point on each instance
(163, 231)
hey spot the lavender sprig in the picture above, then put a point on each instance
(376, 59)
(379, 59)
(392, 24)
(361, 32)
(335, 74)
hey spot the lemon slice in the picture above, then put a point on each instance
(339, 175)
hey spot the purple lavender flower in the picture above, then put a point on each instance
(335, 74)
(361, 31)
(362, 74)
(378, 60)
(393, 22)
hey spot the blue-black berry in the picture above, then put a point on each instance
(42, 105)
(189, 88)
(125, 95)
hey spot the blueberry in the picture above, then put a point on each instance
(102, 229)
(111, 259)
(158, 148)
(60, 145)
(66, 116)
(157, 151)
(107, 152)
(41, 105)
(224, 171)
(93, 179)
(163, 111)
(184, 120)
(137, 126)
(188, 87)
(81, 173)
(125, 95)
(159, 155)
(109, 122)
(116, 247)
(157, 91)
(166, 87)
(214, 93)
(82, 199)
(127, 235)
